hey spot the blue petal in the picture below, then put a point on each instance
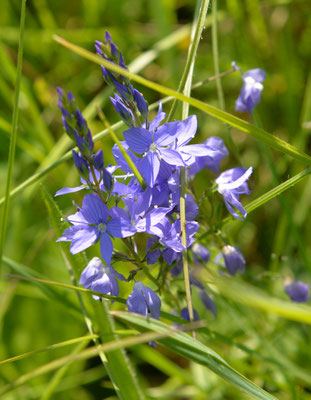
(83, 239)
(172, 157)
(93, 209)
(149, 167)
(153, 302)
(136, 303)
(67, 190)
(138, 139)
(120, 227)
(257, 73)
(106, 247)
(90, 272)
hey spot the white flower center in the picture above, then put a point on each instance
(102, 227)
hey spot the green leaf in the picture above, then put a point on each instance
(194, 350)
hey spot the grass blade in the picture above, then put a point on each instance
(5, 211)
(192, 349)
(93, 352)
(47, 348)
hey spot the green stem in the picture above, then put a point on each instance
(199, 26)
(212, 78)
(185, 85)
(5, 212)
(221, 98)
(141, 264)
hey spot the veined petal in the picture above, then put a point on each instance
(234, 184)
(158, 119)
(90, 272)
(67, 190)
(106, 247)
(120, 227)
(230, 199)
(153, 302)
(83, 239)
(149, 167)
(187, 129)
(172, 157)
(138, 139)
(197, 150)
(136, 303)
(94, 210)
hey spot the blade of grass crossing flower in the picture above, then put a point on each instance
(190, 348)
(117, 365)
(223, 116)
(67, 286)
(5, 211)
(123, 151)
(286, 309)
(41, 173)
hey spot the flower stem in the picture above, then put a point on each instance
(141, 264)
(185, 85)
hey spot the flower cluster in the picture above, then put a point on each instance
(117, 206)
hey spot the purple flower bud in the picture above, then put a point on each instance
(143, 300)
(125, 113)
(99, 48)
(107, 179)
(298, 291)
(81, 164)
(234, 260)
(141, 104)
(185, 314)
(208, 302)
(98, 160)
(200, 253)
(250, 93)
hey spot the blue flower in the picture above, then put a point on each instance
(144, 301)
(250, 93)
(298, 291)
(231, 184)
(168, 143)
(200, 253)
(185, 314)
(100, 278)
(208, 302)
(172, 234)
(140, 215)
(90, 225)
(234, 260)
(217, 151)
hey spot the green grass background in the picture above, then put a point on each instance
(275, 239)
